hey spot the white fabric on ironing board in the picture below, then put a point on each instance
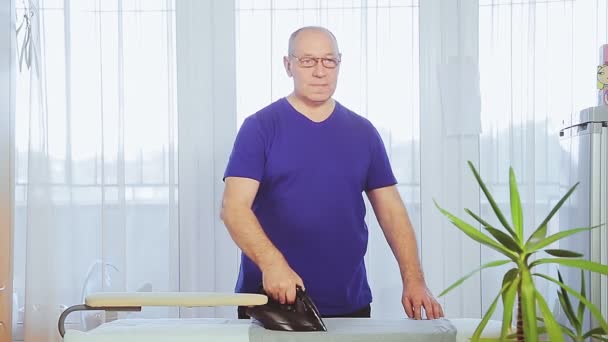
(231, 330)
(364, 330)
(164, 330)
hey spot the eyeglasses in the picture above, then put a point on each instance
(309, 62)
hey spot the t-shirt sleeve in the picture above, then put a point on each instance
(379, 173)
(248, 153)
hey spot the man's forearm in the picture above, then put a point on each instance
(247, 233)
(401, 238)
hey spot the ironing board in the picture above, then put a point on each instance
(133, 301)
(234, 330)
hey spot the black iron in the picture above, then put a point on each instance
(302, 315)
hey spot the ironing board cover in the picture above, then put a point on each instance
(233, 330)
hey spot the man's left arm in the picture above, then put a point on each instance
(397, 228)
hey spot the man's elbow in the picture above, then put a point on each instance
(224, 213)
(228, 211)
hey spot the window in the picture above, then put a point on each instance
(108, 114)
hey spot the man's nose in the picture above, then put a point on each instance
(319, 70)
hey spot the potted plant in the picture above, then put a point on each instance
(519, 281)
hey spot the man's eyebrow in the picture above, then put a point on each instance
(329, 54)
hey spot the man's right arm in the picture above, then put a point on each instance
(279, 280)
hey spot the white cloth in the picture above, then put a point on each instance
(162, 330)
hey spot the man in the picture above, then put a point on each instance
(293, 194)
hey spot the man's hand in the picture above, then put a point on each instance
(416, 296)
(280, 281)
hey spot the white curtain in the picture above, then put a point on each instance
(96, 163)
(209, 259)
(450, 121)
(538, 64)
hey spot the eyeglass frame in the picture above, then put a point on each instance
(337, 60)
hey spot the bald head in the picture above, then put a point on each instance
(314, 64)
(306, 31)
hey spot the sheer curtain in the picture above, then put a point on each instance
(449, 116)
(538, 64)
(96, 162)
(209, 259)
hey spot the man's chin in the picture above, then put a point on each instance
(320, 98)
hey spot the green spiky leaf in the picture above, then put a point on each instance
(509, 276)
(528, 303)
(596, 331)
(596, 313)
(484, 321)
(476, 234)
(536, 237)
(563, 303)
(508, 300)
(564, 300)
(578, 263)
(555, 237)
(541, 231)
(504, 239)
(553, 329)
(461, 280)
(563, 253)
(516, 211)
(493, 204)
(501, 237)
(565, 329)
(477, 218)
(581, 305)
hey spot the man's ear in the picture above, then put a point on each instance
(287, 65)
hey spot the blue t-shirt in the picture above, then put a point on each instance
(310, 200)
